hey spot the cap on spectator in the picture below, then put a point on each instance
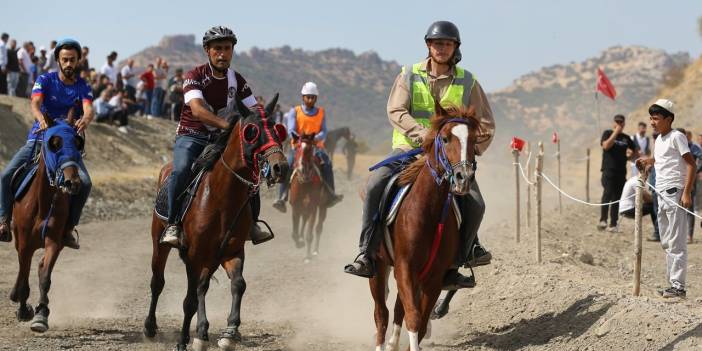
(619, 118)
(42, 48)
(664, 104)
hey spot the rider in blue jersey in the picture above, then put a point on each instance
(53, 96)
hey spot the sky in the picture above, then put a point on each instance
(502, 39)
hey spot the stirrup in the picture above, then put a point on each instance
(351, 268)
(267, 238)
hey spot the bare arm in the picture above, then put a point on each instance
(88, 115)
(686, 198)
(37, 100)
(201, 113)
(607, 144)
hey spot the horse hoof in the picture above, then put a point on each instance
(40, 324)
(315, 254)
(438, 312)
(393, 346)
(25, 314)
(306, 260)
(226, 344)
(150, 333)
(180, 347)
(199, 344)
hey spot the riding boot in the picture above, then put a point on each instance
(478, 256)
(5, 235)
(256, 234)
(453, 280)
(71, 241)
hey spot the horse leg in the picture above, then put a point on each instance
(158, 266)
(442, 305)
(428, 298)
(20, 292)
(320, 224)
(203, 284)
(234, 269)
(407, 288)
(189, 306)
(378, 286)
(309, 232)
(40, 322)
(296, 225)
(398, 317)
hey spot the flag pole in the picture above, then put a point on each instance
(597, 106)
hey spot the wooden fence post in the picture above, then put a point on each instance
(558, 159)
(515, 153)
(638, 220)
(537, 176)
(587, 176)
(529, 187)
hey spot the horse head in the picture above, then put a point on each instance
(451, 146)
(261, 141)
(304, 156)
(61, 150)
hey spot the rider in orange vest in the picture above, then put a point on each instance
(308, 119)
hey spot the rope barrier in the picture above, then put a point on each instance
(578, 200)
(521, 170)
(671, 202)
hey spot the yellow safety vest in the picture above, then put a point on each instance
(422, 103)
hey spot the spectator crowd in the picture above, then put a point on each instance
(120, 91)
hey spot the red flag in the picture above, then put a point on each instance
(554, 137)
(517, 144)
(604, 85)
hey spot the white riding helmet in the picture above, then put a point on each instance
(310, 89)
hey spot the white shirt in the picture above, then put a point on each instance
(671, 169)
(110, 72)
(126, 70)
(51, 65)
(642, 141)
(3, 54)
(25, 60)
(626, 202)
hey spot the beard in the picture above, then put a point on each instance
(68, 72)
(220, 66)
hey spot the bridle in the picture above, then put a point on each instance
(442, 159)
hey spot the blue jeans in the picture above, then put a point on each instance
(326, 170)
(157, 102)
(148, 96)
(23, 156)
(185, 151)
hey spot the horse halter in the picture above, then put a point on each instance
(442, 158)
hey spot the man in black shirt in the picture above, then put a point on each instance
(614, 149)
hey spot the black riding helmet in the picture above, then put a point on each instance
(67, 43)
(218, 33)
(445, 30)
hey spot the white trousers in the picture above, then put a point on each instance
(673, 226)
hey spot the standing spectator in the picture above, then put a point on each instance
(83, 64)
(128, 79)
(42, 60)
(614, 157)
(109, 68)
(149, 80)
(24, 55)
(13, 68)
(696, 152)
(50, 65)
(278, 115)
(175, 94)
(3, 62)
(140, 97)
(641, 140)
(675, 170)
(160, 87)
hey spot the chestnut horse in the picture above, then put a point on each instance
(307, 197)
(41, 217)
(218, 223)
(425, 231)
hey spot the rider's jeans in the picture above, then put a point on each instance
(377, 181)
(6, 196)
(186, 150)
(23, 156)
(285, 184)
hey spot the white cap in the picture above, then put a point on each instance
(310, 89)
(42, 48)
(666, 104)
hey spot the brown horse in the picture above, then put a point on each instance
(307, 197)
(41, 218)
(218, 223)
(425, 231)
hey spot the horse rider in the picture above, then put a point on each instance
(54, 94)
(307, 118)
(410, 105)
(210, 92)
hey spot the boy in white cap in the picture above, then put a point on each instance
(675, 172)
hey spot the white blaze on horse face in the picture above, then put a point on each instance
(461, 132)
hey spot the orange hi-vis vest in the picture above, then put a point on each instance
(307, 124)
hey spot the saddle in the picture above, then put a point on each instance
(23, 176)
(204, 162)
(390, 203)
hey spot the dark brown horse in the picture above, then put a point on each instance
(218, 223)
(307, 197)
(425, 231)
(41, 218)
(333, 137)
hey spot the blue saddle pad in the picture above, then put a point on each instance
(22, 179)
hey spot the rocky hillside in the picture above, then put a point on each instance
(353, 88)
(561, 97)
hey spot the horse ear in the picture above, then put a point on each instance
(243, 110)
(438, 110)
(271, 105)
(470, 112)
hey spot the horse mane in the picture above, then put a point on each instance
(213, 151)
(410, 173)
